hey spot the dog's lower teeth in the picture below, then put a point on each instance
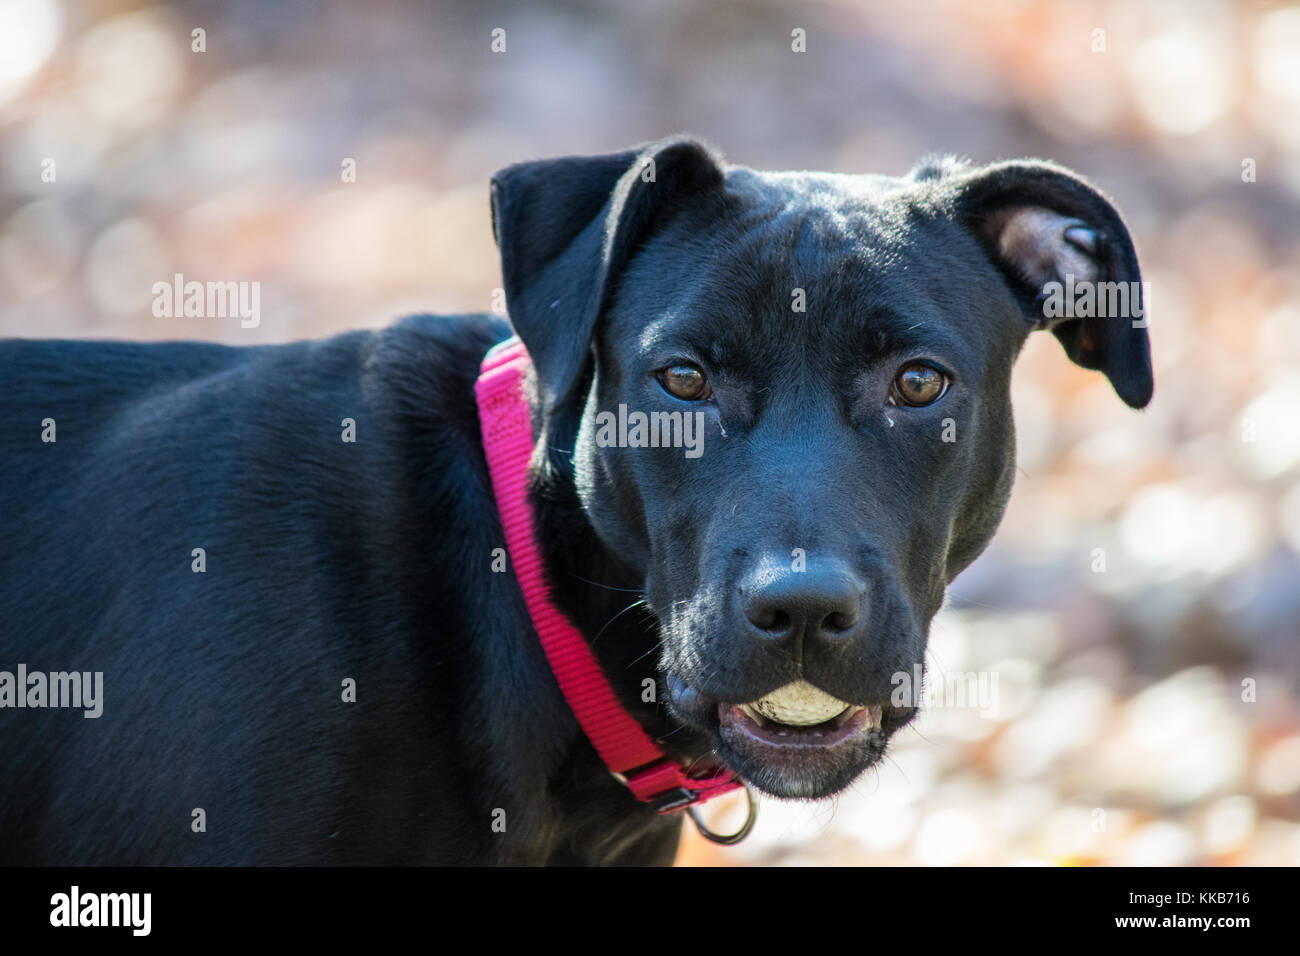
(798, 704)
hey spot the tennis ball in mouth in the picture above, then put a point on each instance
(799, 704)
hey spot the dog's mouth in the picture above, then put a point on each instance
(799, 715)
(796, 742)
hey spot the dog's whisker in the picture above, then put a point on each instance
(607, 587)
(676, 730)
(897, 766)
(658, 644)
(969, 603)
(691, 766)
(912, 726)
(938, 664)
(615, 618)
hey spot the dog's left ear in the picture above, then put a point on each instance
(567, 227)
(1040, 224)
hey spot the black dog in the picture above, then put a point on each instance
(847, 342)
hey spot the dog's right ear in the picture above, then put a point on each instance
(567, 227)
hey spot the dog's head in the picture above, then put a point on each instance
(827, 359)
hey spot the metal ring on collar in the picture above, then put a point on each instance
(728, 839)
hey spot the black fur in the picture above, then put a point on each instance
(372, 560)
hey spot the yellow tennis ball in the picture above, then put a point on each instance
(799, 704)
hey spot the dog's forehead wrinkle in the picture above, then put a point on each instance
(822, 239)
(827, 209)
(656, 330)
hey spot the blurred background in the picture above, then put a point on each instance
(1140, 608)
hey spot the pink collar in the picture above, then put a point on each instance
(651, 775)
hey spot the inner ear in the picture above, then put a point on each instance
(1043, 246)
(1050, 232)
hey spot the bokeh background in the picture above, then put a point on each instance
(1148, 711)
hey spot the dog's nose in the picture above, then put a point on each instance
(820, 604)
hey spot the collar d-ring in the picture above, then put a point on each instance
(728, 839)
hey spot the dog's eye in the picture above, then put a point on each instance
(685, 382)
(918, 384)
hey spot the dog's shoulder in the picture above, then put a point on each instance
(421, 370)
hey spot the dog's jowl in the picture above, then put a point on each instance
(766, 421)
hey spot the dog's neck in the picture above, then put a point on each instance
(600, 593)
